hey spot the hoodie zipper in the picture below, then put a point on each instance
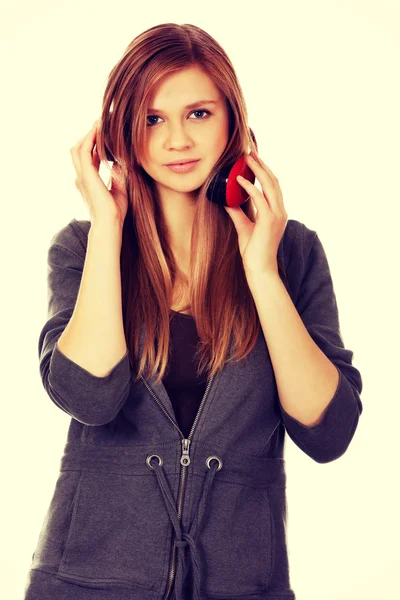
(185, 462)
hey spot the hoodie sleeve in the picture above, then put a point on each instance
(85, 397)
(317, 307)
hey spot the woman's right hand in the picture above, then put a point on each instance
(104, 204)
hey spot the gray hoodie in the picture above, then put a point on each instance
(142, 512)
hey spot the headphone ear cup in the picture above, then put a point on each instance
(224, 188)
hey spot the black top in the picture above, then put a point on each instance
(184, 388)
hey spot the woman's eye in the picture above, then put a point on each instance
(152, 117)
(201, 111)
(195, 111)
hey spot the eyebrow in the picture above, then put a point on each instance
(193, 105)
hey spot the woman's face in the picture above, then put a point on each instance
(175, 132)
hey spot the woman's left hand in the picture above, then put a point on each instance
(259, 241)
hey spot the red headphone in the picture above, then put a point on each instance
(224, 189)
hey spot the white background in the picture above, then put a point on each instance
(321, 82)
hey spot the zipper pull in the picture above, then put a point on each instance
(185, 458)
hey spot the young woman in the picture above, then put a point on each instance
(184, 338)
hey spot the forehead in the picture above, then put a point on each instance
(182, 88)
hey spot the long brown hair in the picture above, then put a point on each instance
(220, 299)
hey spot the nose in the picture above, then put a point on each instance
(178, 138)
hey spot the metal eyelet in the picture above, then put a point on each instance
(148, 459)
(214, 458)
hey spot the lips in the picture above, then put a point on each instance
(182, 162)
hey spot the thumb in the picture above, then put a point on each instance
(237, 215)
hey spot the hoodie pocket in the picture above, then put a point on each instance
(54, 530)
(119, 532)
(236, 540)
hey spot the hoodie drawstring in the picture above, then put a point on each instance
(184, 539)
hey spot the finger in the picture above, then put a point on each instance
(260, 200)
(258, 158)
(79, 143)
(279, 196)
(85, 152)
(76, 160)
(76, 149)
(269, 183)
(96, 158)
